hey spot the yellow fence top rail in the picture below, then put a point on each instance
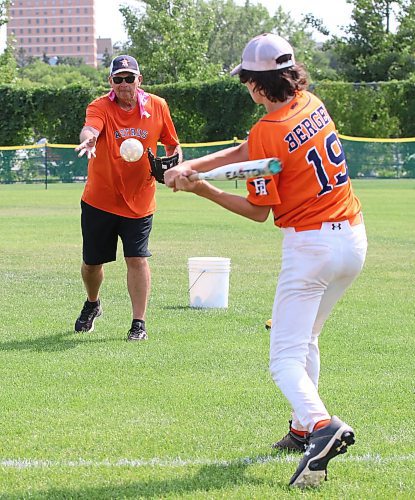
(73, 146)
(374, 139)
(12, 148)
(234, 141)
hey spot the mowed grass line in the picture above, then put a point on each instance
(194, 407)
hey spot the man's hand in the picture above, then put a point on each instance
(170, 176)
(88, 147)
(182, 183)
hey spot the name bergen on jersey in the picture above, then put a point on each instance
(307, 128)
(299, 135)
(131, 132)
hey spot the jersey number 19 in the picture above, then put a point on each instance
(337, 160)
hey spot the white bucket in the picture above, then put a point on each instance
(209, 281)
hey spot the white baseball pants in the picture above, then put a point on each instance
(317, 268)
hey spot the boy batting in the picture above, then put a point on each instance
(324, 245)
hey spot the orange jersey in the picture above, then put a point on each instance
(314, 185)
(114, 185)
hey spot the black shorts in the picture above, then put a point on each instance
(100, 231)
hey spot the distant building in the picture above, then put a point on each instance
(104, 45)
(62, 28)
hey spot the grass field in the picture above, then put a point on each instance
(192, 412)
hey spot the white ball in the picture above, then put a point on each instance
(131, 149)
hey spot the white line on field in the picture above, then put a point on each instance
(25, 463)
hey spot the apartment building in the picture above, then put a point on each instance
(104, 46)
(55, 28)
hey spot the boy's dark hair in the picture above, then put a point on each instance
(277, 84)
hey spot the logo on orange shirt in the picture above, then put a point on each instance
(131, 132)
(260, 185)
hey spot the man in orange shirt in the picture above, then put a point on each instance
(119, 197)
(324, 245)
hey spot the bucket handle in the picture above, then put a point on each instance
(196, 280)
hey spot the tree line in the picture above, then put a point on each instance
(198, 40)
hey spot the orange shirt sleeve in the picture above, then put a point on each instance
(263, 191)
(95, 116)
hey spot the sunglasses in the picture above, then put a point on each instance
(120, 79)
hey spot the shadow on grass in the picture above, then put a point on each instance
(194, 308)
(177, 308)
(51, 343)
(209, 479)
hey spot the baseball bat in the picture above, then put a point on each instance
(240, 170)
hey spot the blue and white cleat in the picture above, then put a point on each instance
(323, 445)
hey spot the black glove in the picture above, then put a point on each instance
(160, 164)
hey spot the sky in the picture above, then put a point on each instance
(334, 13)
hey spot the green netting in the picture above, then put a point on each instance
(60, 163)
(46, 164)
(190, 151)
(385, 159)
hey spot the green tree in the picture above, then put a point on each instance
(405, 42)
(8, 65)
(234, 25)
(21, 57)
(370, 51)
(39, 73)
(4, 7)
(70, 61)
(106, 59)
(199, 39)
(170, 40)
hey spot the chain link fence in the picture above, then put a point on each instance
(47, 163)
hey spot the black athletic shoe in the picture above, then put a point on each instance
(137, 331)
(291, 442)
(323, 445)
(86, 321)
